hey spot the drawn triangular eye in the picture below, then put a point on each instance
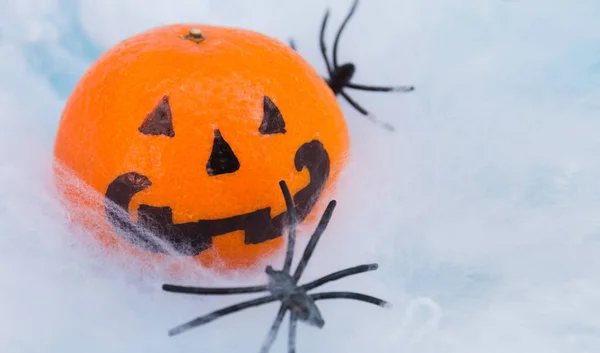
(272, 122)
(159, 121)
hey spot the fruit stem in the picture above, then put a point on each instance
(195, 35)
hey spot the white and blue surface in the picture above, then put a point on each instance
(483, 208)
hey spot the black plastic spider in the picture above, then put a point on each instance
(340, 75)
(283, 286)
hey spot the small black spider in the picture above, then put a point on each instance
(340, 75)
(283, 286)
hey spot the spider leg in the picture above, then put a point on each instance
(350, 295)
(292, 332)
(356, 106)
(338, 275)
(362, 110)
(292, 44)
(381, 88)
(291, 211)
(339, 33)
(274, 329)
(213, 291)
(322, 42)
(220, 313)
(314, 239)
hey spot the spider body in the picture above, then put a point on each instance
(341, 77)
(283, 287)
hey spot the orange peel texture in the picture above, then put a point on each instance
(206, 120)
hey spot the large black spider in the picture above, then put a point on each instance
(340, 75)
(283, 286)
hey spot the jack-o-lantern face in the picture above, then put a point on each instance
(190, 139)
(192, 238)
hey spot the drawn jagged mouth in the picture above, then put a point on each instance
(192, 238)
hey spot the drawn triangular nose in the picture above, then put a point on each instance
(222, 160)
